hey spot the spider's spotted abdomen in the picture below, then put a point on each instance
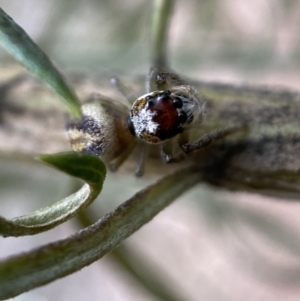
(157, 116)
(102, 130)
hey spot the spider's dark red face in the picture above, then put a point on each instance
(157, 116)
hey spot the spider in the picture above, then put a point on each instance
(164, 115)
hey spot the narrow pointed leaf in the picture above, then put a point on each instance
(16, 41)
(82, 166)
(85, 167)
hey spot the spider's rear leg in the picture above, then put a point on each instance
(151, 80)
(210, 138)
(143, 155)
(124, 90)
(117, 162)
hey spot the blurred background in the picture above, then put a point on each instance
(210, 244)
(255, 41)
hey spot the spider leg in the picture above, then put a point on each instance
(125, 91)
(116, 163)
(151, 84)
(141, 164)
(167, 153)
(168, 147)
(160, 80)
(210, 138)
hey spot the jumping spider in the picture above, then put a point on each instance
(165, 114)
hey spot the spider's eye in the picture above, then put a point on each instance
(151, 102)
(182, 117)
(166, 94)
(157, 117)
(177, 102)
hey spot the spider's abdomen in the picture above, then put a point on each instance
(102, 130)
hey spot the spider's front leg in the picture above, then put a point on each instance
(160, 80)
(167, 149)
(211, 137)
(188, 148)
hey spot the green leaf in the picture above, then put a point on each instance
(83, 166)
(16, 41)
(50, 262)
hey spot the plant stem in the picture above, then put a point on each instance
(26, 271)
(160, 23)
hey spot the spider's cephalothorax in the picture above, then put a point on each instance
(161, 115)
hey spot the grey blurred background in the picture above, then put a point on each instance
(209, 244)
(219, 40)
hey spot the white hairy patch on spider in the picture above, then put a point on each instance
(195, 107)
(143, 122)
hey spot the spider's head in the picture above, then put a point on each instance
(157, 116)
